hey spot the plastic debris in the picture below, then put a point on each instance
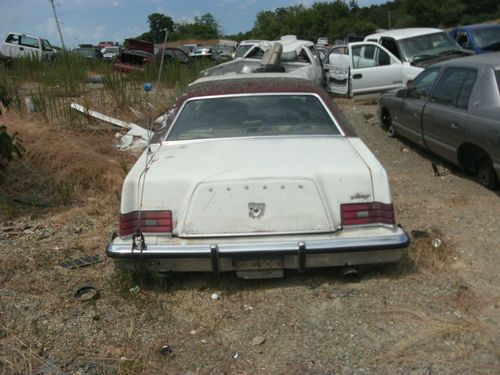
(436, 243)
(235, 355)
(135, 290)
(166, 350)
(215, 296)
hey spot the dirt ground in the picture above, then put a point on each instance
(436, 312)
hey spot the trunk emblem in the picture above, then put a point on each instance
(256, 210)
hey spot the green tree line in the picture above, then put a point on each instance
(334, 19)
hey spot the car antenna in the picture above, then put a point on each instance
(138, 240)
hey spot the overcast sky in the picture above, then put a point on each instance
(90, 21)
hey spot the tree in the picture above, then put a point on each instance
(157, 24)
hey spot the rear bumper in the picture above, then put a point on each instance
(292, 253)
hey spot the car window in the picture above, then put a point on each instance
(427, 46)
(250, 116)
(46, 45)
(181, 56)
(13, 39)
(497, 75)
(29, 41)
(368, 56)
(463, 40)
(421, 86)
(256, 53)
(454, 87)
(486, 37)
(391, 46)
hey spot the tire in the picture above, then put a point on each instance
(386, 123)
(486, 174)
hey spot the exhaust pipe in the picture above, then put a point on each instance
(350, 273)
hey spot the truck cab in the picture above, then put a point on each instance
(17, 45)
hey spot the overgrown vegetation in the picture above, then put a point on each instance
(339, 18)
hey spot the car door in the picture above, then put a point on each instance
(408, 120)
(30, 47)
(445, 115)
(374, 68)
(337, 67)
(10, 47)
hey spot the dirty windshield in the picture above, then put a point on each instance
(428, 46)
(247, 116)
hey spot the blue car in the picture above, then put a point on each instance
(479, 38)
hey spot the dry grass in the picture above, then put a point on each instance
(427, 257)
(63, 166)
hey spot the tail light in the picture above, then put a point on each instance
(367, 213)
(146, 222)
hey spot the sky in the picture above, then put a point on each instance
(90, 21)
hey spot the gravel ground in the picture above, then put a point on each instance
(436, 312)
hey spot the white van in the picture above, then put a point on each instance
(16, 45)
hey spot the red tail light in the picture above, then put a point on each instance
(367, 213)
(149, 222)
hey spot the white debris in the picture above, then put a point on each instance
(135, 139)
(215, 296)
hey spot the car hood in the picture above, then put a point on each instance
(136, 44)
(210, 185)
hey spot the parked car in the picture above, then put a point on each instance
(188, 48)
(386, 60)
(16, 45)
(419, 46)
(256, 174)
(172, 55)
(137, 54)
(453, 110)
(322, 41)
(110, 52)
(90, 53)
(478, 38)
(203, 52)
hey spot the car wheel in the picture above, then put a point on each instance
(486, 174)
(386, 123)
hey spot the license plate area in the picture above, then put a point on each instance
(260, 262)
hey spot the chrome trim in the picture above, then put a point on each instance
(397, 240)
(165, 138)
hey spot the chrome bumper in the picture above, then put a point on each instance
(227, 256)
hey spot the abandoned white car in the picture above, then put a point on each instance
(256, 174)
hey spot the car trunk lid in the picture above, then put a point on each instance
(256, 186)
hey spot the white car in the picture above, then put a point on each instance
(256, 174)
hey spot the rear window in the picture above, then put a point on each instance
(250, 116)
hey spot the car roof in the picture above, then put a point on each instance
(491, 60)
(478, 26)
(261, 83)
(405, 33)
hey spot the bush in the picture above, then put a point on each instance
(10, 146)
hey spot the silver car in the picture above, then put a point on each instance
(452, 109)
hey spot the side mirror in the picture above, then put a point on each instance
(409, 82)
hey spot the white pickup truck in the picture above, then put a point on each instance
(386, 60)
(16, 45)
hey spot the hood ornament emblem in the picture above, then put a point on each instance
(256, 210)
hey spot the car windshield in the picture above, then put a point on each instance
(250, 116)
(486, 37)
(240, 52)
(427, 46)
(46, 45)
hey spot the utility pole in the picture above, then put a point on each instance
(57, 23)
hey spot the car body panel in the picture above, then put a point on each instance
(479, 38)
